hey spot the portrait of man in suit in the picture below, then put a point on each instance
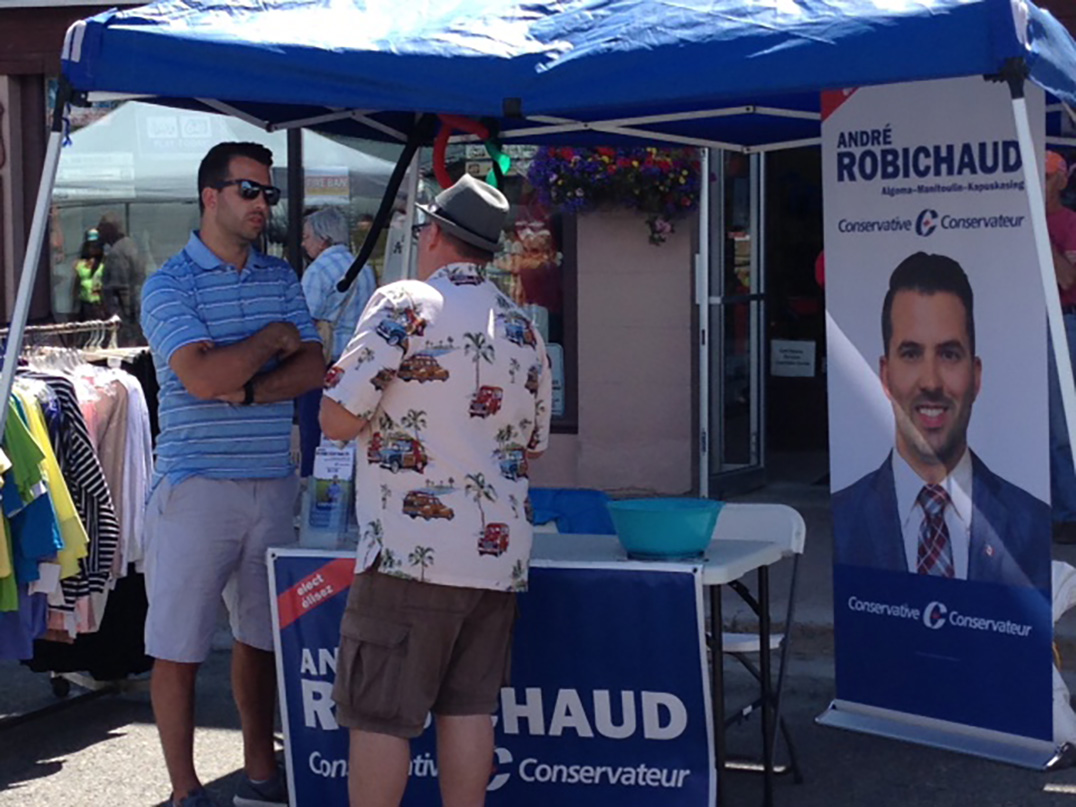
(933, 507)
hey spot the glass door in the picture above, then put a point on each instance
(733, 440)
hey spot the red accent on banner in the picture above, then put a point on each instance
(314, 589)
(833, 99)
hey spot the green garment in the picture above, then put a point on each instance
(89, 280)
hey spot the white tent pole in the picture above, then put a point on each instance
(1037, 200)
(412, 199)
(29, 273)
(702, 300)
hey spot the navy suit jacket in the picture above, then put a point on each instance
(1010, 528)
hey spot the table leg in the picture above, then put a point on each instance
(767, 684)
(717, 689)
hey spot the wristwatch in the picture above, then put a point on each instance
(248, 392)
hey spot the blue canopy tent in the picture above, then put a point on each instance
(582, 69)
(738, 74)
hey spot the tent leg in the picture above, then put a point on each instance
(702, 301)
(1037, 200)
(412, 198)
(29, 272)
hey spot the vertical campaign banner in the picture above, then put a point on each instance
(937, 348)
(609, 700)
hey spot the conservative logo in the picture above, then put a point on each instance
(934, 615)
(938, 615)
(926, 222)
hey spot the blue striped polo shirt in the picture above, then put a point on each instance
(196, 297)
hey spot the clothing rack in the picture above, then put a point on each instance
(97, 329)
(68, 334)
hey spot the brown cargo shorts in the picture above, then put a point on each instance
(409, 648)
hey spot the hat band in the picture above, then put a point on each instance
(440, 211)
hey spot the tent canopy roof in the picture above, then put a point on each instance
(369, 65)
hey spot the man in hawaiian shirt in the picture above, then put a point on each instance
(447, 386)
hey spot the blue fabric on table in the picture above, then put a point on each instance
(575, 510)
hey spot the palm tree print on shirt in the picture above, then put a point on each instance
(374, 532)
(421, 556)
(415, 419)
(482, 350)
(480, 490)
(519, 577)
(389, 561)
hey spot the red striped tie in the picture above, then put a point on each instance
(935, 551)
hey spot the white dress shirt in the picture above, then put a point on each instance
(957, 513)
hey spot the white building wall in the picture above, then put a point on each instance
(636, 350)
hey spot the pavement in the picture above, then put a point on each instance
(104, 751)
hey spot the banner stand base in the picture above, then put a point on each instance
(1024, 752)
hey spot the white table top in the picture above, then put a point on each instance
(725, 560)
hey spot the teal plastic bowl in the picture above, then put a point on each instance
(664, 528)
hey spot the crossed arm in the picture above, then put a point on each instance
(210, 372)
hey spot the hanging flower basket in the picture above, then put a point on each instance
(663, 184)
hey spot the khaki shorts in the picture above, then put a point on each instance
(409, 648)
(206, 541)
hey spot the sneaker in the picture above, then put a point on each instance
(196, 798)
(273, 793)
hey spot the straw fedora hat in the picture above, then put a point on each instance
(471, 210)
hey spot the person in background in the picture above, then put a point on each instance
(234, 346)
(366, 223)
(125, 272)
(1061, 224)
(88, 271)
(335, 313)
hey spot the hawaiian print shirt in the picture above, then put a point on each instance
(455, 383)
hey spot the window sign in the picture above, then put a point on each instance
(556, 359)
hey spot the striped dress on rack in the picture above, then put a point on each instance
(89, 491)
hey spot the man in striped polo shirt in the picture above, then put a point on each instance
(233, 345)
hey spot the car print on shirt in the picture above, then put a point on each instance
(486, 401)
(332, 377)
(397, 451)
(533, 375)
(425, 504)
(494, 540)
(383, 377)
(421, 367)
(510, 455)
(518, 330)
(399, 326)
(465, 275)
(512, 461)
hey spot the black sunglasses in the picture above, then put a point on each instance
(249, 190)
(416, 229)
